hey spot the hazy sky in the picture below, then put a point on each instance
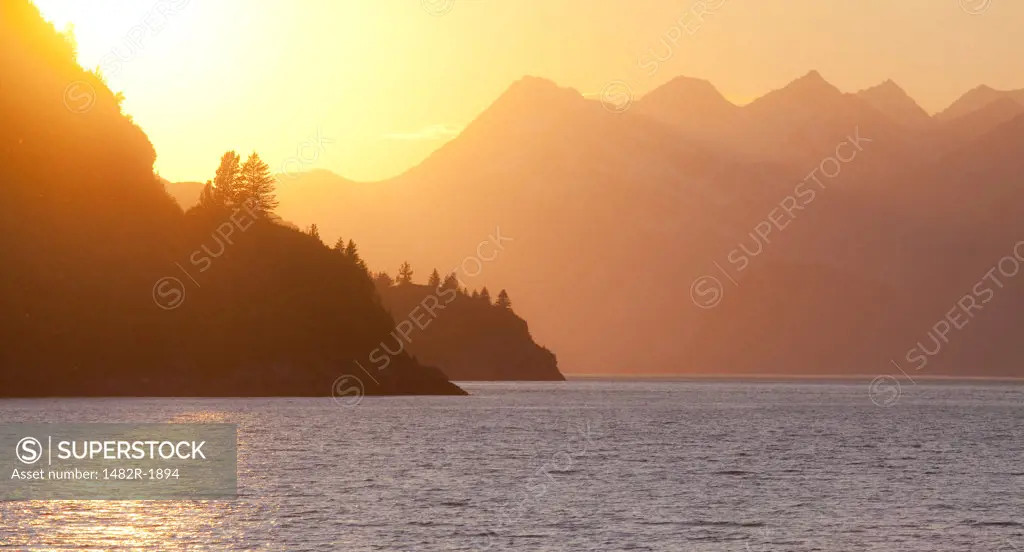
(388, 81)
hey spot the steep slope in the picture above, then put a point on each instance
(688, 97)
(932, 283)
(694, 107)
(803, 122)
(570, 184)
(893, 102)
(471, 338)
(612, 216)
(186, 194)
(957, 132)
(796, 126)
(93, 249)
(976, 99)
(575, 187)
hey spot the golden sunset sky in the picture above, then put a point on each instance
(389, 81)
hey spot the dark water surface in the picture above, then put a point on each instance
(585, 465)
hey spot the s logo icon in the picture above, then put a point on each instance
(29, 450)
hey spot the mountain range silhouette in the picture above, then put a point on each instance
(614, 215)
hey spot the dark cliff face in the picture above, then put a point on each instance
(109, 289)
(468, 338)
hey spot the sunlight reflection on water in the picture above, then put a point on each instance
(722, 467)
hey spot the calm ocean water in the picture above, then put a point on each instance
(586, 465)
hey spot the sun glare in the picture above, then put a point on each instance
(98, 25)
(112, 33)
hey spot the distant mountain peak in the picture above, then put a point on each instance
(889, 98)
(691, 85)
(529, 107)
(687, 97)
(985, 94)
(888, 86)
(688, 88)
(809, 90)
(978, 98)
(813, 83)
(538, 90)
